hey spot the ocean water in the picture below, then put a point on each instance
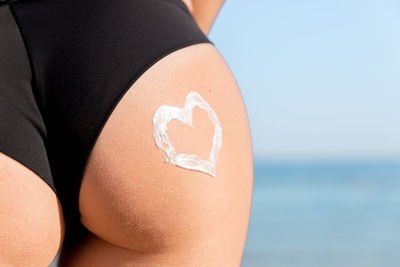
(325, 214)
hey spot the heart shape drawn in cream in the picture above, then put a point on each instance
(165, 114)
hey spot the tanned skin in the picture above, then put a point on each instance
(142, 211)
(32, 226)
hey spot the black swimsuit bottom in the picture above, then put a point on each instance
(64, 66)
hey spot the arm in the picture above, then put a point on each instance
(204, 12)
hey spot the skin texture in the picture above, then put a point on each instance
(148, 212)
(31, 220)
(143, 211)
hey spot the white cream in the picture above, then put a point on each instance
(165, 114)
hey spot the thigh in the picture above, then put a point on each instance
(138, 196)
(31, 220)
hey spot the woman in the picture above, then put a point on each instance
(123, 136)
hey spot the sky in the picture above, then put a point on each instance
(320, 79)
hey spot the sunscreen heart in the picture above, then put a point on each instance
(165, 114)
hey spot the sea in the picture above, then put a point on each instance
(325, 214)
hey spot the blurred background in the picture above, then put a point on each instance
(321, 82)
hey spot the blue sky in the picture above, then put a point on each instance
(320, 79)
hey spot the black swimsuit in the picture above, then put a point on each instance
(64, 65)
